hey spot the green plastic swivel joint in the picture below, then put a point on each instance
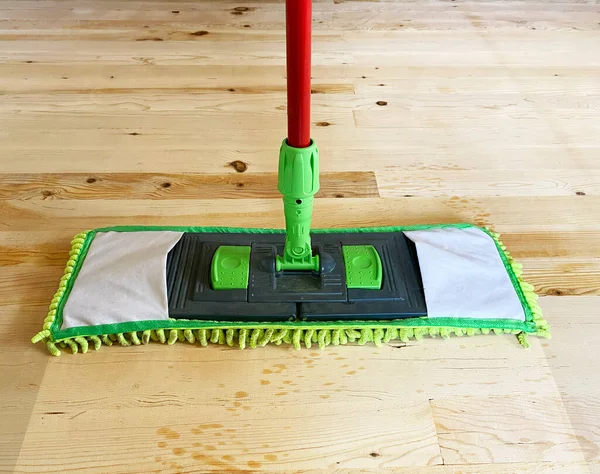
(298, 181)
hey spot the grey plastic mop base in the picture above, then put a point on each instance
(293, 296)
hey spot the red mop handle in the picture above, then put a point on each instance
(298, 18)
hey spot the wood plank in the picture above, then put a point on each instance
(159, 52)
(357, 184)
(190, 103)
(403, 81)
(384, 110)
(237, 185)
(48, 76)
(50, 253)
(22, 368)
(509, 115)
(583, 412)
(580, 328)
(29, 286)
(464, 17)
(399, 183)
(185, 30)
(498, 213)
(448, 80)
(236, 433)
(31, 77)
(552, 244)
(18, 326)
(140, 157)
(563, 276)
(504, 429)
(190, 133)
(184, 128)
(213, 14)
(434, 368)
(575, 370)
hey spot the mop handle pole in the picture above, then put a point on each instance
(298, 15)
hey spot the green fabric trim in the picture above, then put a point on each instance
(52, 333)
(252, 230)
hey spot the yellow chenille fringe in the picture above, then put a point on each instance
(44, 334)
(543, 328)
(261, 336)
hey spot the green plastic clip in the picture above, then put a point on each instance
(363, 267)
(230, 267)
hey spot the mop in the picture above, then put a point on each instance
(130, 285)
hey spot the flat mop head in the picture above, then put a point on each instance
(133, 285)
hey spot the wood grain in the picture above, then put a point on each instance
(398, 183)
(237, 427)
(130, 156)
(54, 214)
(235, 185)
(503, 429)
(573, 276)
(430, 111)
(553, 244)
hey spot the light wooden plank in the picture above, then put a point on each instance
(22, 368)
(501, 113)
(404, 82)
(38, 248)
(431, 368)
(564, 276)
(464, 17)
(580, 328)
(219, 102)
(457, 81)
(575, 370)
(381, 111)
(261, 185)
(552, 244)
(399, 183)
(239, 432)
(504, 429)
(238, 185)
(203, 135)
(127, 78)
(150, 53)
(212, 14)
(498, 213)
(583, 412)
(134, 157)
(29, 286)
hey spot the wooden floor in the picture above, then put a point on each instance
(144, 112)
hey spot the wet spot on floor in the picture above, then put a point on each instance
(167, 433)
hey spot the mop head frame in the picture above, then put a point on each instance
(79, 338)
